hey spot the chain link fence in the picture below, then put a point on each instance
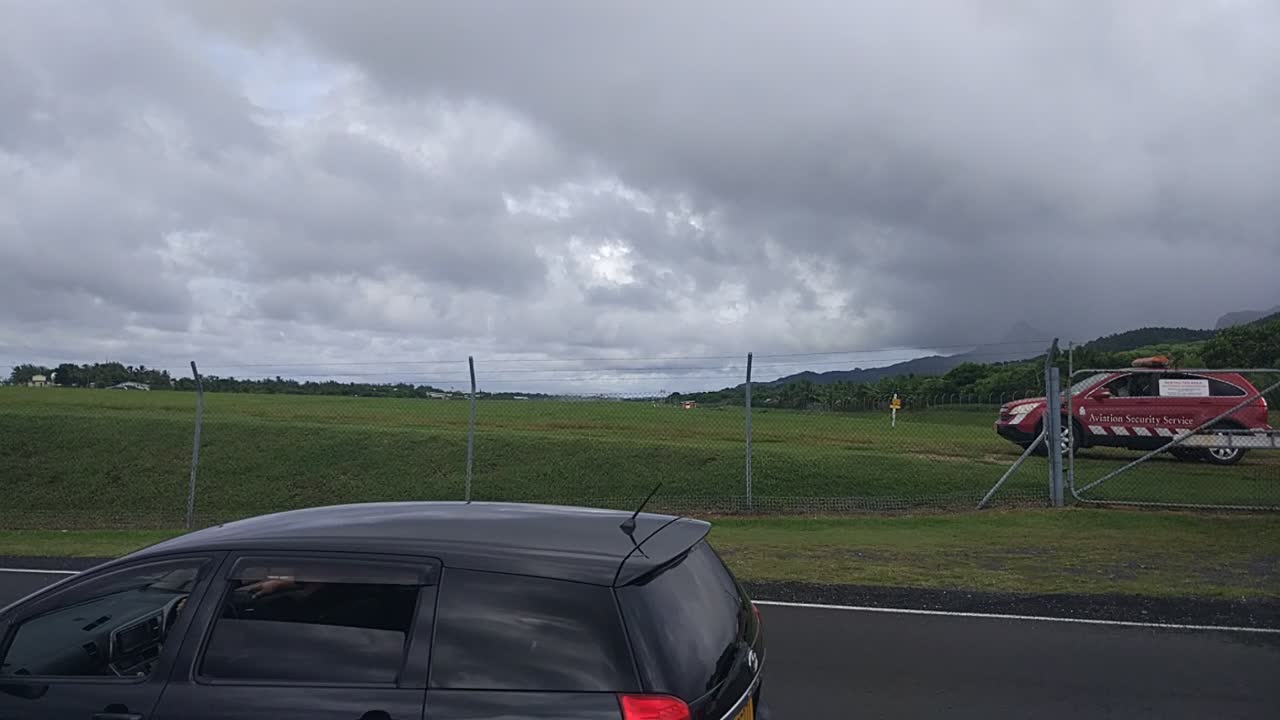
(1165, 437)
(92, 457)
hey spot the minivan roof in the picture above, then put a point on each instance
(569, 543)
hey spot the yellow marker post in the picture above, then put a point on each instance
(894, 405)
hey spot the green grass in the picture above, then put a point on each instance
(96, 458)
(1041, 551)
(79, 543)
(1045, 551)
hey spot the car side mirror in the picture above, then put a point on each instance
(1102, 394)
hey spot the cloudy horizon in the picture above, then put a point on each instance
(289, 183)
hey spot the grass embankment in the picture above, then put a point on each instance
(96, 458)
(1042, 551)
(1158, 554)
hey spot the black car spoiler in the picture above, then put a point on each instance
(659, 547)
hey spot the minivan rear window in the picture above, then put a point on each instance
(1222, 388)
(687, 624)
(512, 632)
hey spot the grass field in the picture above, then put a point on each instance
(95, 458)
(1042, 551)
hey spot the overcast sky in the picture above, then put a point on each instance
(302, 182)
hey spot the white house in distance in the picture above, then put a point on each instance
(38, 381)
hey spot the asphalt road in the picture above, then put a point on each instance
(849, 664)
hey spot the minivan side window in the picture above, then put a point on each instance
(512, 632)
(115, 625)
(313, 620)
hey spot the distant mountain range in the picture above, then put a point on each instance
(1241, 317)
(1023, 342)
(1020, 343)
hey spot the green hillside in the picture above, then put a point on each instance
(1147, 337)
(1252, 345)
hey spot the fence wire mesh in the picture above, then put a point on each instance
(87, 457)
(72, 458)
(1187, 421)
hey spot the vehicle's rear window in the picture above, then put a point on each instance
(512, 632)
(687, 624)
(1222, 388)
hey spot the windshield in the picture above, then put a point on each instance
(1088, 382)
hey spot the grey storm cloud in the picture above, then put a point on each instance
(305, 179)
(975, 126)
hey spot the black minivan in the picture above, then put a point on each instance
(388, 611)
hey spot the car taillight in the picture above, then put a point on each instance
(653, 707)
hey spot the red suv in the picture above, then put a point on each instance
(1143, 411)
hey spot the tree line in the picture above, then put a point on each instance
(1255, 345)
(284, 386)
(93, 375)
(103, 375)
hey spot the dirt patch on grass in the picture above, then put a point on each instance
(960, 457)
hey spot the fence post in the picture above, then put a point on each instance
(1071, 418)
(749, 498)
(471, 425)
(195, 447)
(1053, 424)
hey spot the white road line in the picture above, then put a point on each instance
(1001, 616)
(893, 611)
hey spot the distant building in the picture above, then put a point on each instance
(38, 381)
(688, 404)
(438, 395)
(129, 385)
(520, 397)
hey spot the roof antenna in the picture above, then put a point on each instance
(628, 526)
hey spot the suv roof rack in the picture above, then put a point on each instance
(1155, 361)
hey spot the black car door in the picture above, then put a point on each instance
(100, 646)
(334, 635)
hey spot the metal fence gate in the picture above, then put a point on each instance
(1052, 428)
(1192, 450)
